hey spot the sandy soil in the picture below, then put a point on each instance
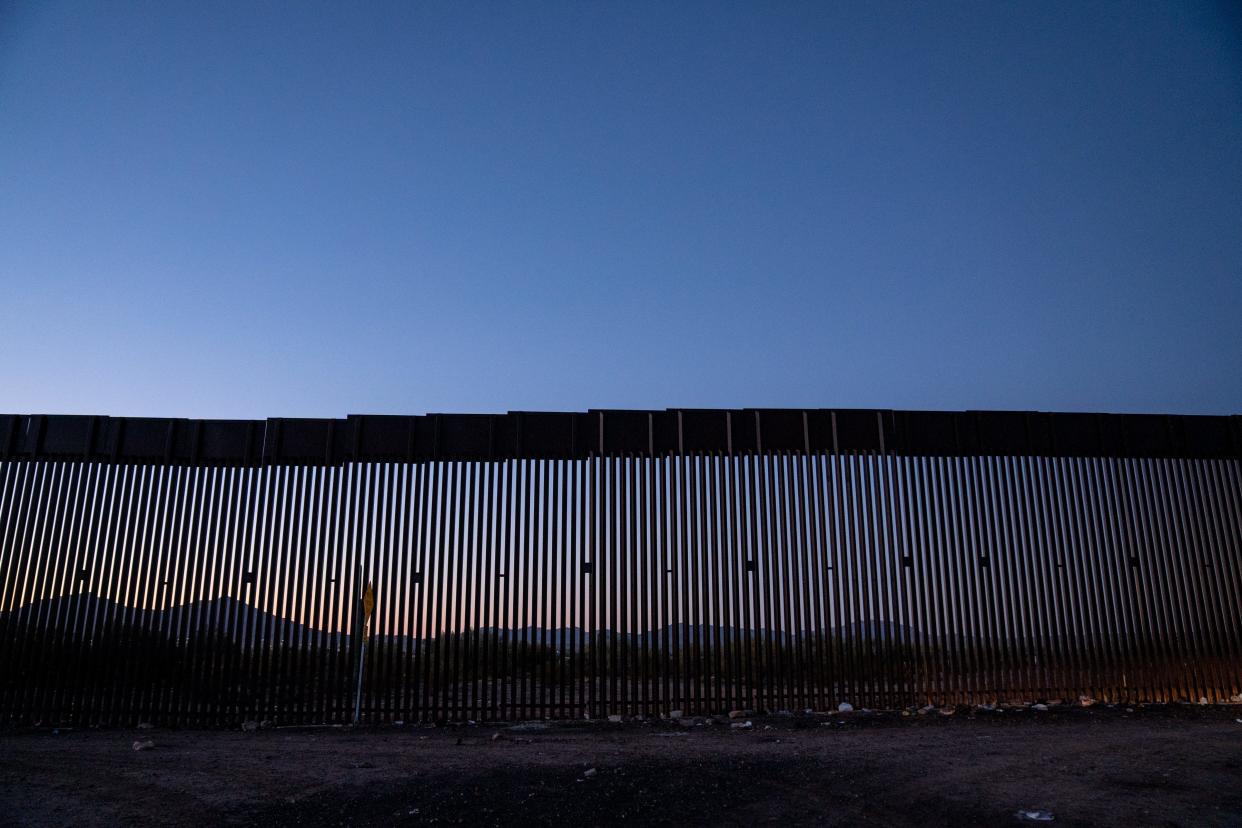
(1098, 766)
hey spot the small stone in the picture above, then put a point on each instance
(747, 725)
(265, 724)
(1129, 709)
(250, 726)
(615, 718)
(145, 726)
(740, 714)
(495, 737)
(1034, 816)
(144, 744)
(1236, 698)
(1086, 701)
(1039, 707)
(923, 711)
(1203, 700)
(398, 723)
(845, 707)
(947, 711)
(587, 774)
(676, 714)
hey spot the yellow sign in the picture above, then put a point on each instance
(368, 602)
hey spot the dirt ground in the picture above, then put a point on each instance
(1097, 766)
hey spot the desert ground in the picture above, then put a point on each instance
(1158, 765)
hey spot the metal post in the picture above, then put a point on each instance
(362, 659)
(362, 623)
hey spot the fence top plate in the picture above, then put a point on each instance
(611, 433)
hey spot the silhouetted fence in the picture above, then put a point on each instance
(532, 564)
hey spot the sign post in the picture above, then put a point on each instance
(368, 607)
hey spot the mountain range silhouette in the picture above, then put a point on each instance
(235, 619)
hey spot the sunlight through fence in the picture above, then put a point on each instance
(568, 565)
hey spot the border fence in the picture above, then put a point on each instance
(528, 565)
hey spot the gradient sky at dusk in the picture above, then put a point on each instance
(314, 209)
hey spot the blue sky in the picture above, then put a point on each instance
(304, 209)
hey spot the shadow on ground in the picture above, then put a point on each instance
(1168, 766)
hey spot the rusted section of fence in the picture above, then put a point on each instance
(583, 564)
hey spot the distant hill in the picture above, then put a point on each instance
(224, 615)
(239, 621)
